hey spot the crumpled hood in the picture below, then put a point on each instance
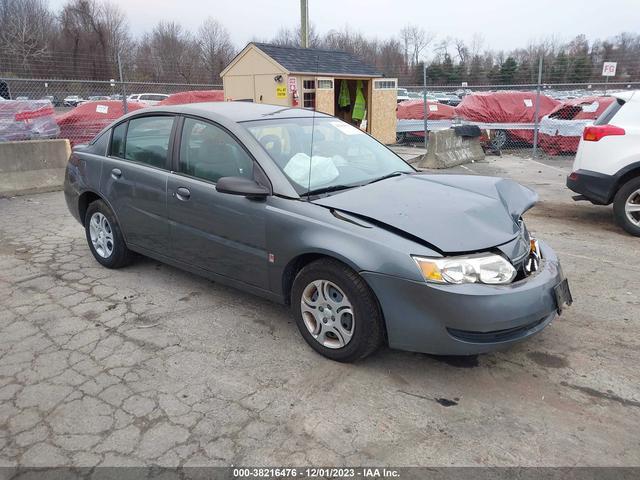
(454, 213)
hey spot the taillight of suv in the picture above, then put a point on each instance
(595, 133)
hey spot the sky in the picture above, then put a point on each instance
(503, 24)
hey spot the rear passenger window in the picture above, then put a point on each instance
(99, 144)
(148, 140)
(610, 112)
(117, 140)
(210, 153)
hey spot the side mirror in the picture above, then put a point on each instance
(241, 186)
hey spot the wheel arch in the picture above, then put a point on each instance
(86, 198)
(629, 172)
(299, 262)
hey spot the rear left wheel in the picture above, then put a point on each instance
(626, 206)
(336, 311)
(104, 236)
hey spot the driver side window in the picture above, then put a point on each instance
(209, 153)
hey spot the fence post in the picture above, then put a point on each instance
(537, 114)
(124, 90)
(424, 100)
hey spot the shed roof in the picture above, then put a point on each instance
(314, 60)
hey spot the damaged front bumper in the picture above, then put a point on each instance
(470, 318)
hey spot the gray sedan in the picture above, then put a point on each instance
(304, 209)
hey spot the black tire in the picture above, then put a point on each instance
(120, 255)
(628, 189)
(500, 139)
(368, 327)
(401, 138)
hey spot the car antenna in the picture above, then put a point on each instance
(313, 125)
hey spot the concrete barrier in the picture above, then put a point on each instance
(446, 149)
(32, 166)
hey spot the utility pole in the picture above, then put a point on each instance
(424, 103)
(124, 90)
(304, 23)
(536, 125)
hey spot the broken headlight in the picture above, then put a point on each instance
(487, 268)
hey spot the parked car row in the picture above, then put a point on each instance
(33, 119)
(148, 99)
(509, 118)
(446, 98)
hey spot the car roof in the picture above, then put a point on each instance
(626, 96)
(239, 111)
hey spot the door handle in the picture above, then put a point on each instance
(116, 173)
(183, 193)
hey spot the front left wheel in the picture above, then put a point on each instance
(336, 312)
(104, 236)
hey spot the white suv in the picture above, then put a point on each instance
(149, 99)
(607, 165)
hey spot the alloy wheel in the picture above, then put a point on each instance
(632, 208)
(101, 235)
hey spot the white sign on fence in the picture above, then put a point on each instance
(609, 69)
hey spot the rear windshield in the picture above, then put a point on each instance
(606, 116)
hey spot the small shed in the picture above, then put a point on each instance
(314, 78)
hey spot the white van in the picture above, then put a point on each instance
(149, 99)
(607, 165)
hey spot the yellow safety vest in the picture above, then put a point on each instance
(360, 103)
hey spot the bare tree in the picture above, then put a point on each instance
(442, 48)
(26, 28)
(90, 31)
(116, 29)
(462, 50)
(405, 38)
(291, 37)
(171, 54)
(415, 40)
(216, 49)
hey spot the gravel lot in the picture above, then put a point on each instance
(151, 365)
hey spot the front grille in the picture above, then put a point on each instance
(495, 335)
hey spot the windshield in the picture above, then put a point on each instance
(342, 156)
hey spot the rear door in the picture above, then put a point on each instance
(134, 179)
(219, 232)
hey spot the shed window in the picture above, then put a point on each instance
(309, 85)
(385, 84)
(325, 83)
(309, 100)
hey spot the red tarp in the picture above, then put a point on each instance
(584, 108)
(85, 121)
(194, 96)
(27, 119)
(505, 107)
(561, 130)
(414, 110)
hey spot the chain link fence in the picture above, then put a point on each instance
(545, 116)
(79, 109)
(533, 119)
(520, 107)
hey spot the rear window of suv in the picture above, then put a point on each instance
(606, 116)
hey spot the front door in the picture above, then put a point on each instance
(134, 180)
(219, 232)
